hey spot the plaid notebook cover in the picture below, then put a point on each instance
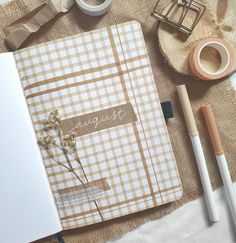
(128, 167)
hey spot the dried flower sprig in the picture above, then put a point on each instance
(46, 141)
(67, 144)
(69, 141)
(53, 122)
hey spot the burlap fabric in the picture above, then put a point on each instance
(218, 94)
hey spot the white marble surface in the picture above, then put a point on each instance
(188, 224)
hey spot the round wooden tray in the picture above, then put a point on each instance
(219, 20)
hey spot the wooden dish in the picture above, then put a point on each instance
(219, 20)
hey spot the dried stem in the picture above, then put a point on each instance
(67, 143)
(61, 164)
(76, 158)
(59, 133)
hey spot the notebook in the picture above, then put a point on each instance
(83, 138)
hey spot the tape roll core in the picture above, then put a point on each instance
(225, 51)
(94, 10)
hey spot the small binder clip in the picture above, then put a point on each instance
(167, 110)
(174, 12)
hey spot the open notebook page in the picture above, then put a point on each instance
(27, 209)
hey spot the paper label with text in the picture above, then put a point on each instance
(99, 120)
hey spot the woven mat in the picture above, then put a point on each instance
(218, 94)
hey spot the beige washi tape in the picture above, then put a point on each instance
(226, 55)
(94, 10)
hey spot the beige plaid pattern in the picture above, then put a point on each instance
(91, 72)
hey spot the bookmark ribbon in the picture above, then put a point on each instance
(18, 32)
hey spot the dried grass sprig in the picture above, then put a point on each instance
(67, 144)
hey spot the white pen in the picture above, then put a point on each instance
(220, 157)
(198, 151)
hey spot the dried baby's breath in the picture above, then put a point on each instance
(69, 141)
(67, 144)
(46, 141)
(53, 122)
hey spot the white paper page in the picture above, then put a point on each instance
(27, 209)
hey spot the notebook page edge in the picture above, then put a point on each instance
(36, 217)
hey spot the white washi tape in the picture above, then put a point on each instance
(94, 10)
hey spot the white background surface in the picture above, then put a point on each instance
(188, 224)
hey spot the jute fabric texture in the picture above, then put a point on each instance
(218, 93)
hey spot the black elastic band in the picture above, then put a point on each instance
(167, 109)
(59, 238)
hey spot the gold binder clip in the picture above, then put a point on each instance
(174, 13)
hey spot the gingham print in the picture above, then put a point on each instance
(91, 72)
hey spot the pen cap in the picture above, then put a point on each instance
(187, 110)
(212, 128)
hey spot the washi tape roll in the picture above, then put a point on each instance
(94, 10)
(226, 54)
